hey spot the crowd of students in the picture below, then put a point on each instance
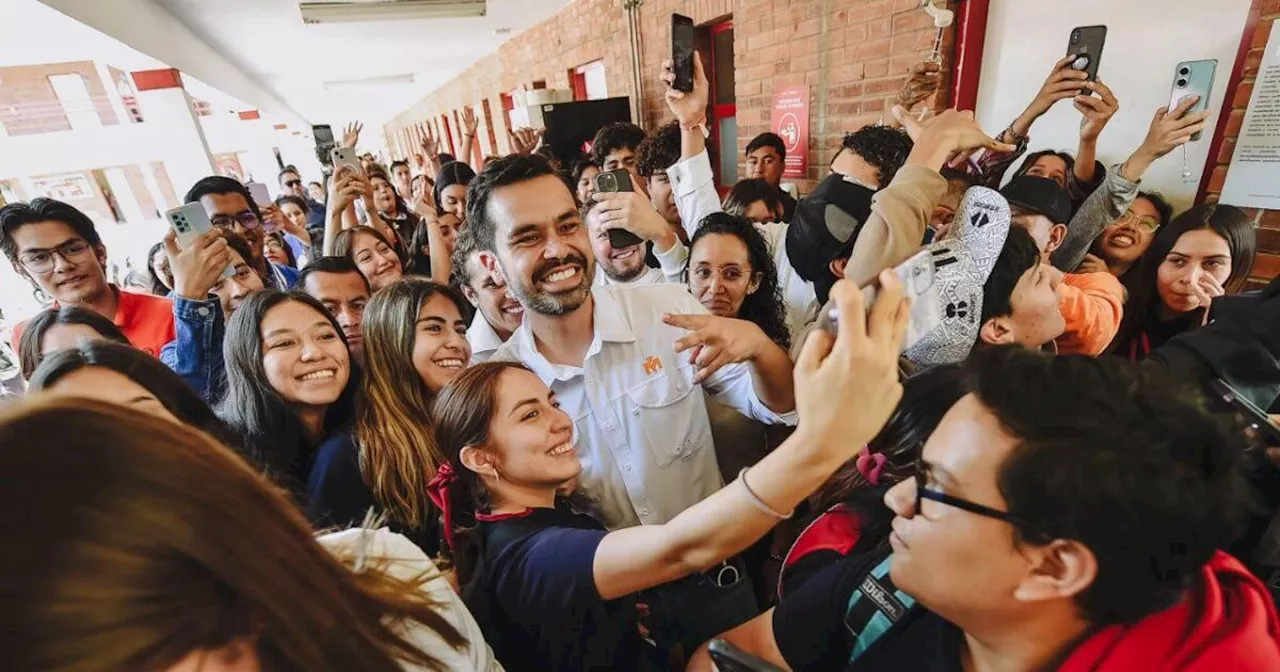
(429, 418)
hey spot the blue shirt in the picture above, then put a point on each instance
(336, 492)
(544, 610)
(196, 353)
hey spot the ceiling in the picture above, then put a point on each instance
(268, 41)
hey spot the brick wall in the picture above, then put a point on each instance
(853, 55)
(1267, 265)
(29, 105)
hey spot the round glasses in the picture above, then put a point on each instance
(1146, 223)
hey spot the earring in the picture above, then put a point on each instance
(496, 475)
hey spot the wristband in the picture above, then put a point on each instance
(759, 503)
(701, 125)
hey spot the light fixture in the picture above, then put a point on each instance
(389, 10)
(370, 81)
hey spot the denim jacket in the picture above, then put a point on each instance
(196, 354)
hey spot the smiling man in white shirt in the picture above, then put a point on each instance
(610, 356)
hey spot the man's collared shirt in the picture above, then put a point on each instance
(483, 338)
(146, 320)
(641, 426)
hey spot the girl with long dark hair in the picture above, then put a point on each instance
(391, 206)
(61, 328)
(1202, 254)
(373, 254)
(290, 383)
(451, 189)
(556, 590)
(116, 373)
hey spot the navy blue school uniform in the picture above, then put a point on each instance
(535, 596)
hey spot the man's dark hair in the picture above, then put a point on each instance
(1019, 255)
(460, 276)
(330, 264)
(1124, 460)
(289, 198)
(883, 147)
(767, 139)
(17, 215)
(506, 171)
(446, 157)
(615, 136)
(659, 151)
(746, 192)
(1036, 156)
(1158, 202)
(217, 184)
(285, 171)
(397, 162)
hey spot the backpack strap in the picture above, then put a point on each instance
(874, 608)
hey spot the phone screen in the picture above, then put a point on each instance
(682, 51)
(917, 277)
(323, 134)
(259, 193)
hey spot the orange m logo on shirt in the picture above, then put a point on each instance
(652, 365)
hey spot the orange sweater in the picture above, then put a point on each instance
(1092, 305)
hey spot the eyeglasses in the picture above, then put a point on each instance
(293, 183)
(1148, 224)
(729, 274)
(41, 261)
(923, 493)
(246, 219)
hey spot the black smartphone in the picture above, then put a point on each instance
(729, 658)
(682, 51)
(1256, 417)
(1086, 44)
(611, 182)
(323, 135)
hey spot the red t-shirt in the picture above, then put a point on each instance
(146, 320)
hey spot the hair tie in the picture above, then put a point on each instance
(870, 465)
(438, 491)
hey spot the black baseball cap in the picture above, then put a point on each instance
(1040, 195)
(825, 224)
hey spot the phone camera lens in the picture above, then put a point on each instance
(1075, 36)
(1182, 83)
(1184, 71)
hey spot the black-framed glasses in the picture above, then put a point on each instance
(293, 183)
(246, 219)
(41, 261)
(923, 493)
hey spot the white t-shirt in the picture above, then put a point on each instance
(403, 560)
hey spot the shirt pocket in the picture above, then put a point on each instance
(673, 422)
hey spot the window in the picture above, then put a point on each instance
(589, 82)
(77, 104)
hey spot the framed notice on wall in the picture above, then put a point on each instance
(1253, 180)
(791, 123)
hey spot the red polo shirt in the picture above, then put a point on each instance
(146, 320)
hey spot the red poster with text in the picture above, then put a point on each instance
(791, 123)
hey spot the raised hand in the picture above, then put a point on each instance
(469, 121)
(430, 146)
(716, 341)
(1063, 82)
(1205, 289)
(943, 136)
(1171, 129)
(632, 211)
(345, 188)
(1097, 110)
(924, 81)
(198, 267)
(351, 134)
(524, 140)
(847, 384)
(689, 108)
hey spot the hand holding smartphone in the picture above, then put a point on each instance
(346, 156)
(682, 52)
(615, 181)
(917, 276)
(189, 222)
(1086, 44)
(1193, 79)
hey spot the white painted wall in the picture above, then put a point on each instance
(1146, 39)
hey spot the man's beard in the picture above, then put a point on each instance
(548, 303)
(619, 273)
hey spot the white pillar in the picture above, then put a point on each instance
(167, 109)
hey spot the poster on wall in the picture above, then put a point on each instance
(791, 123)
(69, 187)
(1253, 180)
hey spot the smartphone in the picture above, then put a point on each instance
(346, 156)
(190, 222)
(1193, 78)
(259, 193)
(323, 135)
(682, 51)
(917, 276)
(612, 182)
(1257, 418)
(729, 658)
(1086, 44)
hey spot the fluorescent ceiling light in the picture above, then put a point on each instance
(371, 81)
(389, 10)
